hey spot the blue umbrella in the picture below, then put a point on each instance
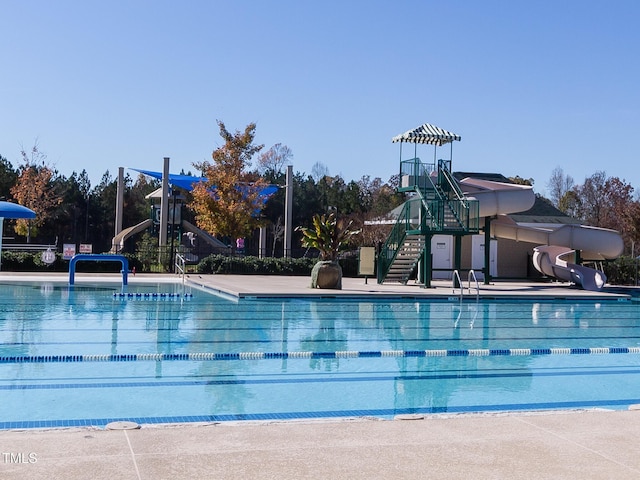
(12, 210)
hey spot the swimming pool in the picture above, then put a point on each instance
(94, 354)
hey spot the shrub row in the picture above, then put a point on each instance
(16, 261)
(268, 265)
(256, 265)
(622, 271)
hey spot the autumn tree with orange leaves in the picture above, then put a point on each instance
(34, 189)
(227, 204)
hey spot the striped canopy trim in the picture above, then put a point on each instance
(429, 134)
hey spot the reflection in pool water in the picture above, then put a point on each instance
(380, 367)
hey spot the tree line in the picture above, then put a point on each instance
(70, 210)
(600, 201)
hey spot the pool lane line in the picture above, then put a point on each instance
(208, 356)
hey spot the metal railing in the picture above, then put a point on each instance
(439, 191)
(469, 275)
(180, 266)
(457, 282)
(456, 276)
(29, 246)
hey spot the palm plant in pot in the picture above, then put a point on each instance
(329, 237)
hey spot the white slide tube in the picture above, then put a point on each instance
(549, 260)
(499, 199)
(594, 243)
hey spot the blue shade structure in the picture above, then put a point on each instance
(12, 210)
(187, 182)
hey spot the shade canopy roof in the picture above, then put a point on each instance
(13, 210)
(187, 182)
(428, 134)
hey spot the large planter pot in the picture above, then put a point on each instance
(326, 274)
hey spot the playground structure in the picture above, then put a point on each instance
(439, 204)
(168, 219)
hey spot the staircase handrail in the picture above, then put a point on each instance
(390, 248)
(466, 211)
(445, 176)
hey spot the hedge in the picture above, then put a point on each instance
(268, 265)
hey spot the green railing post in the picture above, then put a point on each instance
(426, 272)
(487, 250)
(457, 253)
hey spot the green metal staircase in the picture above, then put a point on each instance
(437, 206)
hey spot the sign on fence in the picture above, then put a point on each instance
(68, 250)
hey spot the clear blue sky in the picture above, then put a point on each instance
(528, 85)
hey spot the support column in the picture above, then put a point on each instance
(262, 244)
(487, 250)
(426, 267)
(119, 201)
(288, 212)
(164, 205)
(1, 232)
(457, 254)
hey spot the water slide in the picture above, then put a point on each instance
(557, 244)
(117, 244)
(211, 240)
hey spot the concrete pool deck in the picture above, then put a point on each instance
(589, 444)
(284, 286)
(563, 445)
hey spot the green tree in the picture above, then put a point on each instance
(8, 178)
(69, 214)
(228, 203)
(570, 203)
(522, 181)
(84, 184)
(102, 213)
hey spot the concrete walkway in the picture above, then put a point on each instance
(549, 445)
(566, 445)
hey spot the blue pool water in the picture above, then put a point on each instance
(91, 354)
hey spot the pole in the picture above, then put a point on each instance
(164, 207)
(119, 202)
(262, 246)
(173, 225)
(288, 211)
(487, 250)
(1, 233)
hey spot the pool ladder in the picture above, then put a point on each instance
(181, 269)
(471, 274)
(456, 276)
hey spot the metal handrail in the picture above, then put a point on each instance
(444, 173)
(180, 266)
(456, 275)
(469, 275)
